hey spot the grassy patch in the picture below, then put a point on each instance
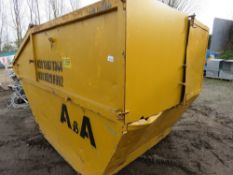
(227, 55)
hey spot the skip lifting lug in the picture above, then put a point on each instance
(182, 84)
(121, 115)
(124, 4)
(192, 19)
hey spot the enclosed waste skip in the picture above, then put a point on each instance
(107, 82)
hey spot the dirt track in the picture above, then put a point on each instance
(201, 142)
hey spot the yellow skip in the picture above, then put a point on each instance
(107, 82)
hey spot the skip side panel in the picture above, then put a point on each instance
(155, 47)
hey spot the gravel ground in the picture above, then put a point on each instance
(4, 79)
(201, 143)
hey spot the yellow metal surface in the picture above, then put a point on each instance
(155, 57)
(197, 46)
(105, 83)
(134, 142)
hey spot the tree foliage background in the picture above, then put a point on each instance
(17, 15)
(187, 6)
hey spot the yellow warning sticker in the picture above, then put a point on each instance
(66, 62)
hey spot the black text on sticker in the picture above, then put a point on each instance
(86, 130)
